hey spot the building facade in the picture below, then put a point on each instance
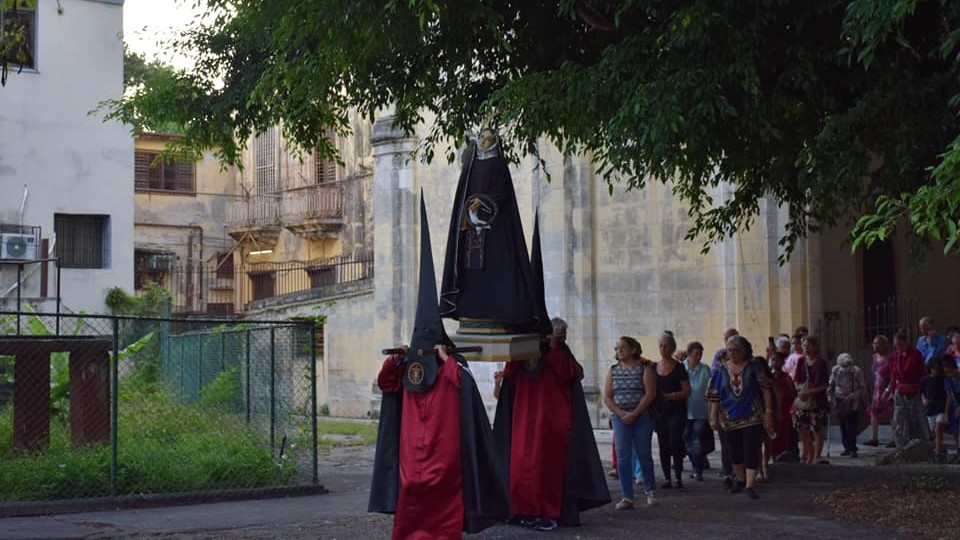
(181, 238)
(65, 175)
(619, 265)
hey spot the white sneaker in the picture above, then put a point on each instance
(651, 499)
(624, 504)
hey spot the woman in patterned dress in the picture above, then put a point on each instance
(741, 404)
(880, 410)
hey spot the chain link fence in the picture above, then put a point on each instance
(94, 406)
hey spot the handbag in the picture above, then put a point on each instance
(808, 403)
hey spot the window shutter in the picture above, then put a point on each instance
(141, 169)
(185, 176)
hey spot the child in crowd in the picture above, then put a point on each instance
(953, 350)
(933, 389)
(951, 414)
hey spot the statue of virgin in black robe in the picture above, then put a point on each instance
(486, 273)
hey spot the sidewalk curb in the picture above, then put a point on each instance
(127, 502)
(870, 474)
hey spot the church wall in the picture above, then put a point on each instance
(613, 265)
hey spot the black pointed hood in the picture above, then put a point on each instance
(420, 370)
(538, 290)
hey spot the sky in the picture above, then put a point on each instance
(147, 21)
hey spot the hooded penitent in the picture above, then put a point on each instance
(420, 363)
(550, 457)
(437, 484)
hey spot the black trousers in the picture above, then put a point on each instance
(849, 422)
(746, 446)
(725, 464)
(669, 429)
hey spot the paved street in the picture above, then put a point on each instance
(785, 511)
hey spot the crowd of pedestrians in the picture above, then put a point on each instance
(773, 407)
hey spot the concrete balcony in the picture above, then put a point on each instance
(256, 217)
(313, 212)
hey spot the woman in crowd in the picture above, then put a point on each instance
(846, 390)
(634, 461)
(880, 410)
(810, 409)
(673, 388)
(629, 393)
(784, 392)
(796, 353)
(741, 404)
(697, 435)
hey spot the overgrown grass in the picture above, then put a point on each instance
(343, 432)
(163, 446)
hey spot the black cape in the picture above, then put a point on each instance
(501, 290)
(585, 481)
(484, 486)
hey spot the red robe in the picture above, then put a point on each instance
(430, 505)
(540, 435)
(787, 392)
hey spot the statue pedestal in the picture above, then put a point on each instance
(500, 347)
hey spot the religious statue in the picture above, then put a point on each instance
(486, 273)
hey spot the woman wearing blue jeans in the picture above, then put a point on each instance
(629, 392)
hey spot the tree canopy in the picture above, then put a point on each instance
(16, 49)
(837, 109)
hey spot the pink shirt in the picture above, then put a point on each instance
(790, 365)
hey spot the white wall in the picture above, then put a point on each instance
(71, 162)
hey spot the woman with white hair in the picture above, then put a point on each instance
(847, 390)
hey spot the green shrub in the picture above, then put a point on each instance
(224, 390)
(163, 446)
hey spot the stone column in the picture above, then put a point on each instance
(568, 237)
(395, 210)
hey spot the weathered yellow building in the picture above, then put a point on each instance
(308, 235)
(179, 235)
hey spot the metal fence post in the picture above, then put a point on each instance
(114, 404)
(248, 375)
(313, 399)
(273, 382)
(182, 386)
(200, 343)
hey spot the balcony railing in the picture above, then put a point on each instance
(268, 280)
(254, 211)
(205, 288)
(316, 202)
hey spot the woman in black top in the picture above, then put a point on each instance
(673, 389)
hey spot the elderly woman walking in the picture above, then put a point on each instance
(741, 404)
(847, 389)
(629, 393)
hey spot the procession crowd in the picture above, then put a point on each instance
(772, 407)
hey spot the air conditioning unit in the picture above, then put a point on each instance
(18, 247)
(157, 262)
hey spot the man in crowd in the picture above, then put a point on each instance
(930, 344)
(906, 372)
